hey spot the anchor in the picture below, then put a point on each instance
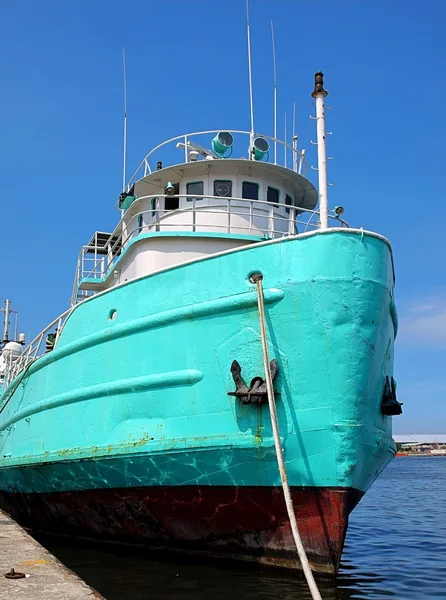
(257, 392)
(389, 404)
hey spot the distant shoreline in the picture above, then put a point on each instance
(403, 454)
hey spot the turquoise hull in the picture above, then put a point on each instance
(141, 401)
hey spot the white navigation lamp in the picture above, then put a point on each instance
(170, 189)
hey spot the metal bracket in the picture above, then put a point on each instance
(257, 392)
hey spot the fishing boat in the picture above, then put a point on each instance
(142, 414)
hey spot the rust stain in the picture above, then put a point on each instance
(141, 441)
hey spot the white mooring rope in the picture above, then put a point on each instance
(257, 279)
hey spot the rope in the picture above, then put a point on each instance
(257, 279)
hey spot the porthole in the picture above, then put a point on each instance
(112, 314)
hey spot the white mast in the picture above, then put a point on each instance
(6, 310)
(295, 138)
(251, 105)
(275, 94)
(319, 94)
(125, 122)
(285, 148)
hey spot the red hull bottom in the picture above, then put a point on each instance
(241, 523)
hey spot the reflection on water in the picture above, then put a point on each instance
(396, 547)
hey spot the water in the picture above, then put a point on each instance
(395, 548)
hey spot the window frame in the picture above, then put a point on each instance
(187, 190)
(271, 187)
(288, 206)
(258, 190)
(140, 222)
(223, 181)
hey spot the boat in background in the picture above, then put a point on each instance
(140, 415)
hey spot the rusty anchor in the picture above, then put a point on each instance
(257, 392)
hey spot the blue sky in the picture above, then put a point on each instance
(61, 131)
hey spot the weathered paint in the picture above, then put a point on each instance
(241, 523)
(141, 401)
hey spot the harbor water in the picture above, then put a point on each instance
(395, 548)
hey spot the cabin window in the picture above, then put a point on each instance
(272, 195)
(223, 188)
(288, 202)
(250, 190)
(140, 223)
(194, 187)
(153, 206)
(173, 202)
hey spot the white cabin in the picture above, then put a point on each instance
(205, 205)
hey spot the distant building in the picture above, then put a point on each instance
(421, 443)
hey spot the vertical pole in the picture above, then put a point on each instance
(301, 161)
(320, 94)
(275, 94)
(285, 148)
(16, 327)
(251, 102)
(295, 138)
(6, 322)
(124, 165)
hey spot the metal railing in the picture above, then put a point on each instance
(298, 157)
(36, 348)
(231, 215)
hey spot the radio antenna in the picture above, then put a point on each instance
(250, 80)
(294, 139)
(275, 93)
(294, 119)
(125, 121)
(285, 148)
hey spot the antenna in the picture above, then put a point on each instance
(295, 138)
(250, 81)
(285, 148)
(125, 120)
(275, 93)
(6, 310)
(294, 119)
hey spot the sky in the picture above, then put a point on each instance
(61, 117)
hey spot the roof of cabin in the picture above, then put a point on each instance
(304, 192)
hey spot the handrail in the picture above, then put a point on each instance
(185, 137)
(95, 267)
(33, 350)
